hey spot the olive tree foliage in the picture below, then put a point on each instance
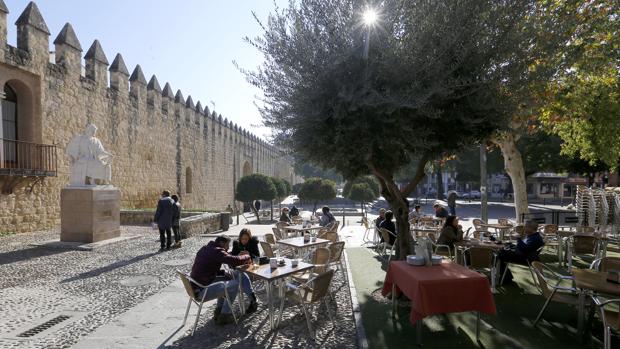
(432, 82)
(316, 190)
(362, 189)
(255, 187)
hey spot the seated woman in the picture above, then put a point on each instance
(451, 232)
(246, 243)
(284, 217)
(389, 225)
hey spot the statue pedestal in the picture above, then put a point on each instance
(89, 214)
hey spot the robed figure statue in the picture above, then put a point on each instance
(90, 162)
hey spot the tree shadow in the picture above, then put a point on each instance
(28, 253)
(108, 268)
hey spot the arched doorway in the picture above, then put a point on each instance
(9, 127)
(247, 169)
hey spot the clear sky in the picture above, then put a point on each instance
(189, 43)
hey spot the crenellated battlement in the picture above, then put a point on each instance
(32, 54)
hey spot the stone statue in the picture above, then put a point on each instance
(90, 162)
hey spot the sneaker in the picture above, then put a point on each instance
(225, 319)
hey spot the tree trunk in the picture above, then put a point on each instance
(255, 211)
(271, 208)
(439, 183)
(513, 164)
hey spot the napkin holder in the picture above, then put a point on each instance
(613, 275)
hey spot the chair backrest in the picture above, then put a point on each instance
(385, 234)
(320, 285)
(584, 244)
(187, 285)
(480, 258)
(503, 221)
(335, 251)
(320, 259)
(542, 280)
(277, 233)
(609, 263)
(586, 229)
(322, 232)
(281, 225)
(432, 237)
(365, 223)
(476, 222)
(334, 226)
(550, 229)
(331, 236)
(267, 250)
(270, 239)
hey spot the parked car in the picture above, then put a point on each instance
(474, 194)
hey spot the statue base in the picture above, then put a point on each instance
(89, 214)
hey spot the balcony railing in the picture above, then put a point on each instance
(27, 159)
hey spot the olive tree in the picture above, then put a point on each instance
(424, 82)
(316, 190)
(362, 189)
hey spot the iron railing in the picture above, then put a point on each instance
(27, 159)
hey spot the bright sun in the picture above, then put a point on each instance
(370, 17)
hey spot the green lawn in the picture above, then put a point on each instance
(517, 306)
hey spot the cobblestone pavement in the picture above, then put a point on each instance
(38, 284)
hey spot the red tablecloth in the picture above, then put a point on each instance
(444, 288)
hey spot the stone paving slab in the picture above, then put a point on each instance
(67, 245)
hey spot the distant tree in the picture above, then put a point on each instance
(369, 190)
(307, 170)
(255, 187)
(289, 188)
(316, 190)
(281, 188)
(431, 81)
(296, 188)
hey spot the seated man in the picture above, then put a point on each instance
(327, 218)
(206, 270)
(415, 214)
(525, 251)
(440, 211)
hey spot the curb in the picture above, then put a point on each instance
(362, 342)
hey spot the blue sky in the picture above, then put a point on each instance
(189, 43)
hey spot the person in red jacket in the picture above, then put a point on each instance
(207, 270)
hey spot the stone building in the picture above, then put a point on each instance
(160, 139)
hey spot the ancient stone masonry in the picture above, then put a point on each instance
(160, 139)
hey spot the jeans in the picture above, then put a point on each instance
(452, 210)
(165, 241)
(177, 234)
(232, 286)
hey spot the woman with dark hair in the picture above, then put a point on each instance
(246, 243)
(389, 225)
(451, 232)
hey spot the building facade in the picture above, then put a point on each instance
(159, 139)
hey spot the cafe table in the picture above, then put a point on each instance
(299, 229)
(500, 229)
(589, 281)
(301, 247)
(271, 275)
(438, 289)
(485, 244)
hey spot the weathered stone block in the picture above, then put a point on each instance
(89, 214)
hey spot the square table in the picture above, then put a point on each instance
(265, 272)
(500, 229)
(439, 289)
(298, 244)
(593, 281)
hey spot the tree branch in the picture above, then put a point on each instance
(419, 174)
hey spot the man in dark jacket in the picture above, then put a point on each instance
(440, 211)
(176, 221)
(207, 270)
(525, 251)
(452, 195)
(163, 217)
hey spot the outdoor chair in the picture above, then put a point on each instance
(367, 230)
(335, 250)
(334, 226)
(385, 234)
(297, 219)
(553, 291)
(609, 317)
(270, 239)
(277, 233)
(442, 250)
(193, 298)
(477, 224)
(267, 249)
(331, 236)
(503, 221)
(320, 260)
(585, 229)
(606, 263)
(537, 257)
(582, 245)
(481, 259)
(310, 293)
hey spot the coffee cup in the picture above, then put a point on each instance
(273, 263)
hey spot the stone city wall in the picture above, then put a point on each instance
(160, 139)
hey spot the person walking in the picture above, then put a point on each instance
(176, 221)
(257, 205)
(163, 218)
(452, 195)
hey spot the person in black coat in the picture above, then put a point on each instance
(246, 243)
(388, 224)
(164, 216)
(176, 221)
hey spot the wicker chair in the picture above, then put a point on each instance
(609, 317)
(267, 249)
(270, 239)
(336, 250)
(606, 263)
(321, 260)
(553, 292)
(385, 234)
(193, 297)
(311, 293)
